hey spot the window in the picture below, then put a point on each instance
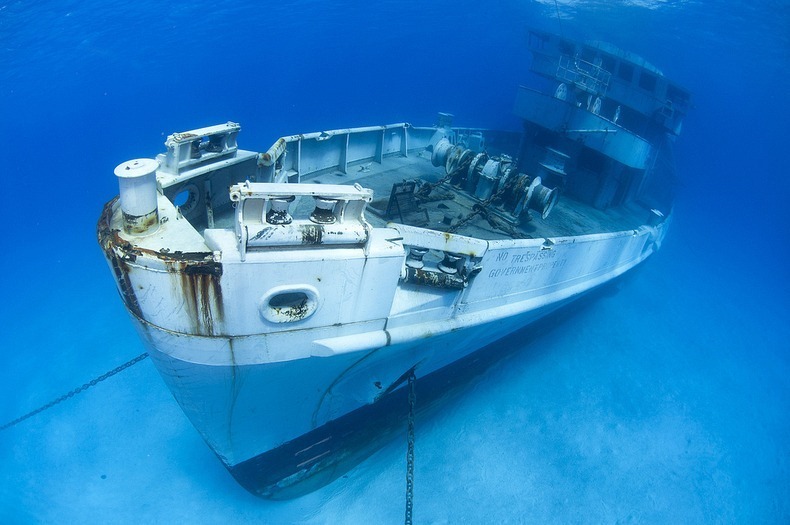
(677, 96)
(647, 81)
(186, 199)
(626, 72)
(607, 63)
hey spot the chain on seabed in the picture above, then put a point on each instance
(410, 452)
(92, 382)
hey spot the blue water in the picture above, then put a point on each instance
(664, 401)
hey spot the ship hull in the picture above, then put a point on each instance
(343, 436)
(285, 428)
(327, 452)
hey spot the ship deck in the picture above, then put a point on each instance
(569, 217)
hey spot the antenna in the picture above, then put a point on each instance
(559, 19)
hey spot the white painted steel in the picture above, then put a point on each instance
(234, 387)
(137, 186)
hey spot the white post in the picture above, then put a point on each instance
(137, 188)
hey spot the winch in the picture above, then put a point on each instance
(494, 180)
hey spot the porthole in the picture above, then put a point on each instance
(186, 200)
(289, 304)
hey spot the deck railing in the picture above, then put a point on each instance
(586, 75)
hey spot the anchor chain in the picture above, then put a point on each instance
(478, 209)
(410, 453)
(92, 382)
(426, 188)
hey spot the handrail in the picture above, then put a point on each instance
(586, 75)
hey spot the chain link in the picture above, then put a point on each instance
(427, 187)
(478, 209)
(92, 382)
(410, 452)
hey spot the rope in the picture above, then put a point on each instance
(92, 382)
(410, 453)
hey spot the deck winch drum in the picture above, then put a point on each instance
(540, 198)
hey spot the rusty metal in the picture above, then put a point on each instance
(294, 312)
(200, 285)
(277, 149)
(137, 224)
(197, 274)
(324, 211)
(435, 279)
(108, 239)
(311, 233)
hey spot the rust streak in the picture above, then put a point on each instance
(199, 283)
(117, 258)
(198, 274)
(312, 233)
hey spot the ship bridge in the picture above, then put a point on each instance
(631, 91)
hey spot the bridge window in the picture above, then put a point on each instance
(566, 48)
(647, 81)
(676, 95)
(607, 63)
(626, 72)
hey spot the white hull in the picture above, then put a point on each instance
(245, 403)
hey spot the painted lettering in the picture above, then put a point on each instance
(533, 256)
(525, 268)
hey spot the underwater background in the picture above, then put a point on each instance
(663, 400)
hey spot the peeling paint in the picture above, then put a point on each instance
(292, 312)
(197, 275)
(136, 224)
(312, 233)
(199, 283)
(435, 279)
(107, 238)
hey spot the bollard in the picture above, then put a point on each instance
(137, 188)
